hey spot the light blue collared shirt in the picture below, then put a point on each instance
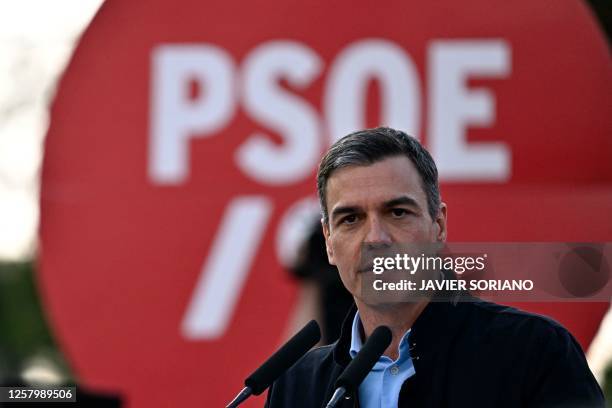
(382, 385)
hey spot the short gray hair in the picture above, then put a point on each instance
(369, 146)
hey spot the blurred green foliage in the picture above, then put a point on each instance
(607, 388)
(24, 331)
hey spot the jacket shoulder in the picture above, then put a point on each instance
(504, 320)
(308, 381)
(316, 360)
(547, 359)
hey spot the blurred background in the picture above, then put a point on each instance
(157, 186)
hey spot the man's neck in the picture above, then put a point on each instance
(398, 317)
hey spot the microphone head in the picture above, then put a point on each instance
(358, 369)
(284, 358)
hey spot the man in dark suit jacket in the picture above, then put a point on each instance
(379, 187)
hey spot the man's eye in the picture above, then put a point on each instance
(399, 212)
(349, 219)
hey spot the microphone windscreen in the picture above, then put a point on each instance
(284, 358)
(363, 362)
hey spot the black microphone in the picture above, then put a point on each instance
(356, 371)
(279, 362)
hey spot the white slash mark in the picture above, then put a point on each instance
(226, 268)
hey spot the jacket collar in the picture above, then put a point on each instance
(438, 322)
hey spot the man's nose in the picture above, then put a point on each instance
(377, 233)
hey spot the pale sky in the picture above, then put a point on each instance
(36, 40)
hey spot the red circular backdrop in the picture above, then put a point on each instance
(182, 134)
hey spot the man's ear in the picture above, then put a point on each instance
(440, 221)
(328, 248)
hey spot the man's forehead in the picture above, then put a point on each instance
(384, 180)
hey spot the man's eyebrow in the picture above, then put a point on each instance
(348, 209)
(403, 200)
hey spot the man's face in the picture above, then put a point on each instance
(382, 203)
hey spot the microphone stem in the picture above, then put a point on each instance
(243, 395)
(338, 394)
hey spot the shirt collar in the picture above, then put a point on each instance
(357, 343)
